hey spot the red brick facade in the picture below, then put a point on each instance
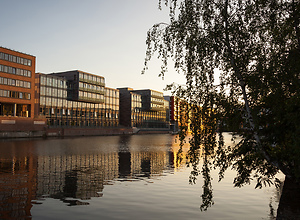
(20, 78)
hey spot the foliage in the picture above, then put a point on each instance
(256, 46)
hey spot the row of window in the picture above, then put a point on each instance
(112, 93)
(148, 118)
(15, 71)
(157, 100)
(53, 82)
(136, 104)
(93, 78)
(157, 94)
(15, 82)
(153, 105)
(19, 110)
(58, 102)
(48, 91)
(111, 101)
(90, 87)
(15, 59)
(77, 122)
(78, 113)
(14, 94)
(90, 95)
(136, 97)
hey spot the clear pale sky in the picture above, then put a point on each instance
(102, 37)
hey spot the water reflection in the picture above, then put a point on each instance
(18, 175)
(74, 171)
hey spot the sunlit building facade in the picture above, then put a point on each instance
(17, 71)
(76, 99)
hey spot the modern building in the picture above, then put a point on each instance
(76, 99)
(84, 87)
(111, 107)
(143, 109)
(30, 101)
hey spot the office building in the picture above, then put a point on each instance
(143, 109)
(17, 72)
(77, 99)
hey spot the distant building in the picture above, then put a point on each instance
(143, 109)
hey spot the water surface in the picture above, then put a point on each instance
(116, 177)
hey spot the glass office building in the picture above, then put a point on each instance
(77, 99)
(143, 109)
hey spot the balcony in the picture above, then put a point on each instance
(91, 90)
(93, 100)
(92, 82)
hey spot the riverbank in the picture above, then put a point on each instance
(72, 132)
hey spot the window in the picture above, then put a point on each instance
(49, 81)
(43, 80)
(42, 100)
(48, 91)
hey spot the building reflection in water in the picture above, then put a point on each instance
(17, 180)
(75, 170)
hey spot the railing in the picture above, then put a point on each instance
(92, 82)
(91, 90)
(81, 98)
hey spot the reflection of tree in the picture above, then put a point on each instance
(207, 195)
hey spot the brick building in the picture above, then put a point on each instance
(17, 71)
(17, 88)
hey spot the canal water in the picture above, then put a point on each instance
(116, 177)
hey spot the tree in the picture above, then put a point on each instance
(256, 46)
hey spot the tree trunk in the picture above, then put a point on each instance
(289, 204)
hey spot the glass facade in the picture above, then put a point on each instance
(112, 107)
(90, 88)
(63, 112)
(136, 110)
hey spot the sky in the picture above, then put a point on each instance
(102, 37)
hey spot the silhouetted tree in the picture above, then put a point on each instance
(255, 45)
